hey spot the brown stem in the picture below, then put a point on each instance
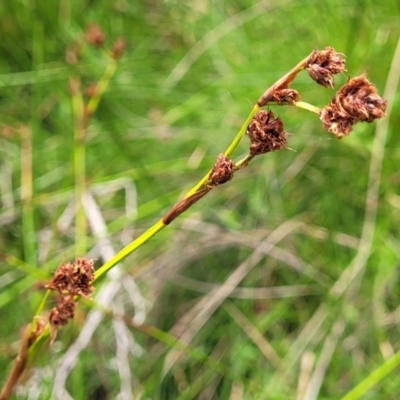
(18, 367)
(184, 204)
(282, 82)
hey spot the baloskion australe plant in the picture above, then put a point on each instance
(357, 101)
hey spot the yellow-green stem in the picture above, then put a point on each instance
(101, 87)
(375, 377)
(78, 108)
(244, 161)
(308, 107)
(28, 225)
(130, 248)
(229, 151)
(152, 231)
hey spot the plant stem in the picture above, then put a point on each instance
(78, 108)
(28, 224)
(81, 114)
(130, 248)
(152, 231)
(101, 87)
(375, 377)
(308, 107)
(282, 82)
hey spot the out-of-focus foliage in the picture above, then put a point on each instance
(190, 73)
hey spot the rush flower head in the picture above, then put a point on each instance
(64, 311)
(74, 279)
(358, 100)
(266, 133)
(285, 96)
(118, 48)
(222, 170)
(94, 35)
(323, 64)
(61, 278)
(82, 277)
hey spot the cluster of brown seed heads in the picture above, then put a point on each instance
(70, 280)
(356, 101)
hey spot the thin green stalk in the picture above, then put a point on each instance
(29, 269)
(152, 231)
(373, 378)
(308, 107)
(81, 114)
(101, 87)
(229, 151)
(131, 247)
(285, 80)
(28, 224)
(78, 108)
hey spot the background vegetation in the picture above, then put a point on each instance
(314, 230)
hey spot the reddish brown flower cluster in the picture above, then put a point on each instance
(323, 64)
(70, 280)
(266, 133)
(285, 96)
(64, 311)
(74, 279)
(222, 170)
(94, 35)
(117, 49)
(356, 101)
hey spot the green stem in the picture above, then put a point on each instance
(229, 151)
(308, 107)
(101, 87)
(152, 231)
(244, 161)
(79, 167)
(28, 224)
(373, 378)
(130, 248)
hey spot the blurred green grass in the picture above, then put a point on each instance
(160, 131)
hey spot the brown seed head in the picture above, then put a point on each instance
(6, 131)
(321, 75)
(82, 277)
(285, 96)
(61, 278)
(323, 64)
(94, 35)
(118, 49)
(356, 101)
(72, 54)
(90, 90)
(266, 133)
(222, 170)
(64, 311)
(74, 279)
